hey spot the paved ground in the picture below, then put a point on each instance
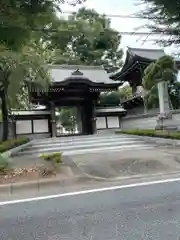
(128, 163)
(149, 212)
(104, 156)
(71, 146)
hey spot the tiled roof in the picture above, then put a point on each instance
(152, 54)
(110, 109)
(147, 54)
(94, 74)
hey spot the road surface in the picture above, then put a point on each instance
(141, 212)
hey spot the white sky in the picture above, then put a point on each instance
(122, 7)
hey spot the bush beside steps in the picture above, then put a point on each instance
(52, 163)
(151, 133)
(12, 143)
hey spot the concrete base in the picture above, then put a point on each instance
(166, 124)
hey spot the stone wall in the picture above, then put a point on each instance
(146, 121)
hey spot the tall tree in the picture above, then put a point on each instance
(85, 38)
(16, 67)
(165, 19)
(164, 69)
(18, 59)
(19, 18)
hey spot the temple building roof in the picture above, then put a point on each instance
(136, 57)
(90, 74)
(72, 84)
(152, 54)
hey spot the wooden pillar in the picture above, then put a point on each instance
(93, 118)
(134, 90)
(79, 119)
(83, 117)
(88, 117)
(53, 119)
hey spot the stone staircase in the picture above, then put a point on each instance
(74, 145)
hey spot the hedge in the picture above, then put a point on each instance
(12, 143)
(151, 133)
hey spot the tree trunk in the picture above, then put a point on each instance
(4, 115)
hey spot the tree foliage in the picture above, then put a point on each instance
(85, 38)
(67, 118)
(164, 69)
(125, 93)
(21, 55)
(109, 99)
(19, 18)
(165, 17)
(27, 63)
(115, 98)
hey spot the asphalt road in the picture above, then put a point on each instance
(145, 212)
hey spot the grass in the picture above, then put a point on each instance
(12, 143)
(151, 133)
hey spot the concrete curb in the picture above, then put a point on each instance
(15, 150)
(37, 185)
(156, 140)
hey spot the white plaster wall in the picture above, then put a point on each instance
(100, 123)
(41, 126)
(113, 122)
(23, 127)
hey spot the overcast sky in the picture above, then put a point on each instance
(122, 7)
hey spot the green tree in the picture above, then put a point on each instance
(18, 20)
(85, 38)
(109, 99)
(165, 18)
(67, 118)
(16, 67)
(20, 60)
(115, 98)
(164, 69)
(125, 93)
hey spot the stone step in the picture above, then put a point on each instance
(84, 147)
(82, 143)
(104, 149)
(78, 139)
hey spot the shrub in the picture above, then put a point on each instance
(52, 163)
(12, 143)
(4, 165)
(53, 157)
(151, 133)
